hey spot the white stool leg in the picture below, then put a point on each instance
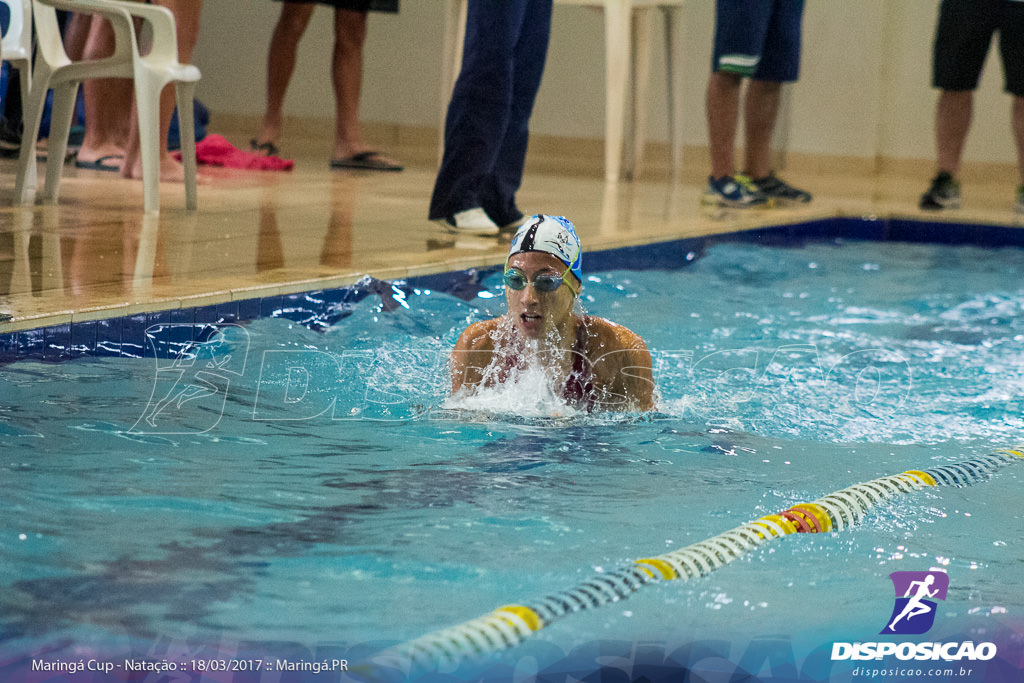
(451, 62)
(675, 87)
(617, 59)
(641, 60)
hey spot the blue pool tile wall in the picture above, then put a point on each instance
(127, 336)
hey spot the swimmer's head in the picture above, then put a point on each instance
(554, 235)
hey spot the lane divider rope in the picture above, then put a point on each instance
(510, 625)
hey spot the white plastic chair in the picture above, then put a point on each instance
(150, 72)
(625, 47)
(16, 44)
(627, 60)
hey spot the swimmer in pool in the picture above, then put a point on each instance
(593, 364)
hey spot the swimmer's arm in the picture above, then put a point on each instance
(638, 378)
(628, 369)
(472, 353)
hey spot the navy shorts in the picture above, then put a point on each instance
(758, 38)
(963, 36)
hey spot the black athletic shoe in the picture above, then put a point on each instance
(778, 189)
(943, 194)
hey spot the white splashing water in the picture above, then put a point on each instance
(529, 394)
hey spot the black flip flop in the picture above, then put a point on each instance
(264, 149)
(366, 161)
(99, 164)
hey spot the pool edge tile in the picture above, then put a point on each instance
(119, 328)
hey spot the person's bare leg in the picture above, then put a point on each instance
(76, 33)
(108, 102)
(347, 80)
(186, 17)
(952, 121)
(761, 109)
(281, 56)
(722, 107)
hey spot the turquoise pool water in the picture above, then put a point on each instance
(279, 493)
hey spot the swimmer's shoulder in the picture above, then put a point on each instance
(611, 336)
(621, 366)
(478, 336)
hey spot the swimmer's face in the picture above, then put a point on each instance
(535, 313)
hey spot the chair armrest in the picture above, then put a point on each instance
(165, 36)
(48, 31)
(161, 19)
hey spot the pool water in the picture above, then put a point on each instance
(278, 489)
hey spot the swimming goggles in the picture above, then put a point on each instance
(516, 279)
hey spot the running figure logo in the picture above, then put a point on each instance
(914, 612)
(191, 387)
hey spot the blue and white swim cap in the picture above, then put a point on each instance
(554, 235)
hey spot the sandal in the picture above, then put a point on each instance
(264, 149)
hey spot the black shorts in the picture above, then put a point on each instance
(962, 39)
(356, 5)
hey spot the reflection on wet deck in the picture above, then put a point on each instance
(96, 254)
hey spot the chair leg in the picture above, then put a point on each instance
(62, 112)
(25, 180)
(25, 78)
(455, 12)
(641, 60)
(147, 106)
(675, 88)
(184, 93)
(32, 116)
(617, 60)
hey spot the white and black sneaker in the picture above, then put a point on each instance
(469, 222)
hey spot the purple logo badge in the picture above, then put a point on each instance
(916, 593)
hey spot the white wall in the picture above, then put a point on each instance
(864, 89)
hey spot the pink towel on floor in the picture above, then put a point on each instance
(215, 150)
